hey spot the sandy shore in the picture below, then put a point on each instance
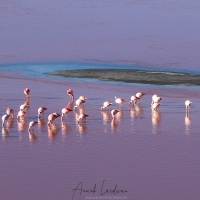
(133, 76)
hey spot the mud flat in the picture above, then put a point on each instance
(133, 76)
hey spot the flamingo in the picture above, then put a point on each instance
(79, 102)
(114, 112)
(10, 112)
(27, 92)
(52, 117)
(139, 95)
(21, 114)
(23, 107)
(31, 125)
(155, 99)
(155, 106)
(82, 117)
(32, 136)
(70, 93)
(106, 104)
(187, 105)
(133, 99)
(119, 100)
(65, 111)
(83, 98)
(5, 119)
(41, 110)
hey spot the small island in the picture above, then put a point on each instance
(133, 76)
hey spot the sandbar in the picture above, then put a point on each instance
(133, 76)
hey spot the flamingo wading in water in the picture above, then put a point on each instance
(51, 118)
(82, 117)
(41, 111)
(114, 112)
(119, 101)
(4, 120)
(65, 111)
(31, 125)
(187, 105)
(106, 104)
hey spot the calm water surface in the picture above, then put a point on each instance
(150, 155)
(163, 34)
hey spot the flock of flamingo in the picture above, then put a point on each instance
(79, 104)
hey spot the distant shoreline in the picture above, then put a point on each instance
(133, 76)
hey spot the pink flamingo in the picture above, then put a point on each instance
(79, 102)
(41, 110)
(70, 93)
(106, 104)
(27, 92)
(23, 107)
(155, 99)
(155, 106)
(32, 136)
(65, 111)
(51, 118)
(187, 105)
(139, 95)
(10, 112)
(21, 115)
(4, 120)
(31, 125)
(82, 117)
(83, 98)
(119, 100)
(133, 100)
(114, 112)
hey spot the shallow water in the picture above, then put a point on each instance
(150, 155)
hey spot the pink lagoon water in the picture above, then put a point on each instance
(143, 32)
(142, 155)
(150, 155)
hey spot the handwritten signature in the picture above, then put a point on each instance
(103, 190)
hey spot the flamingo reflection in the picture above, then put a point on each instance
(65, 128)
(10, 122)
(114, 124)
(156, 118)
(5, 131)
(187, 124)
(52, 131)
(41, 124)
(106, 117)
(22, 125)
(135, 111)
(81, 129)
